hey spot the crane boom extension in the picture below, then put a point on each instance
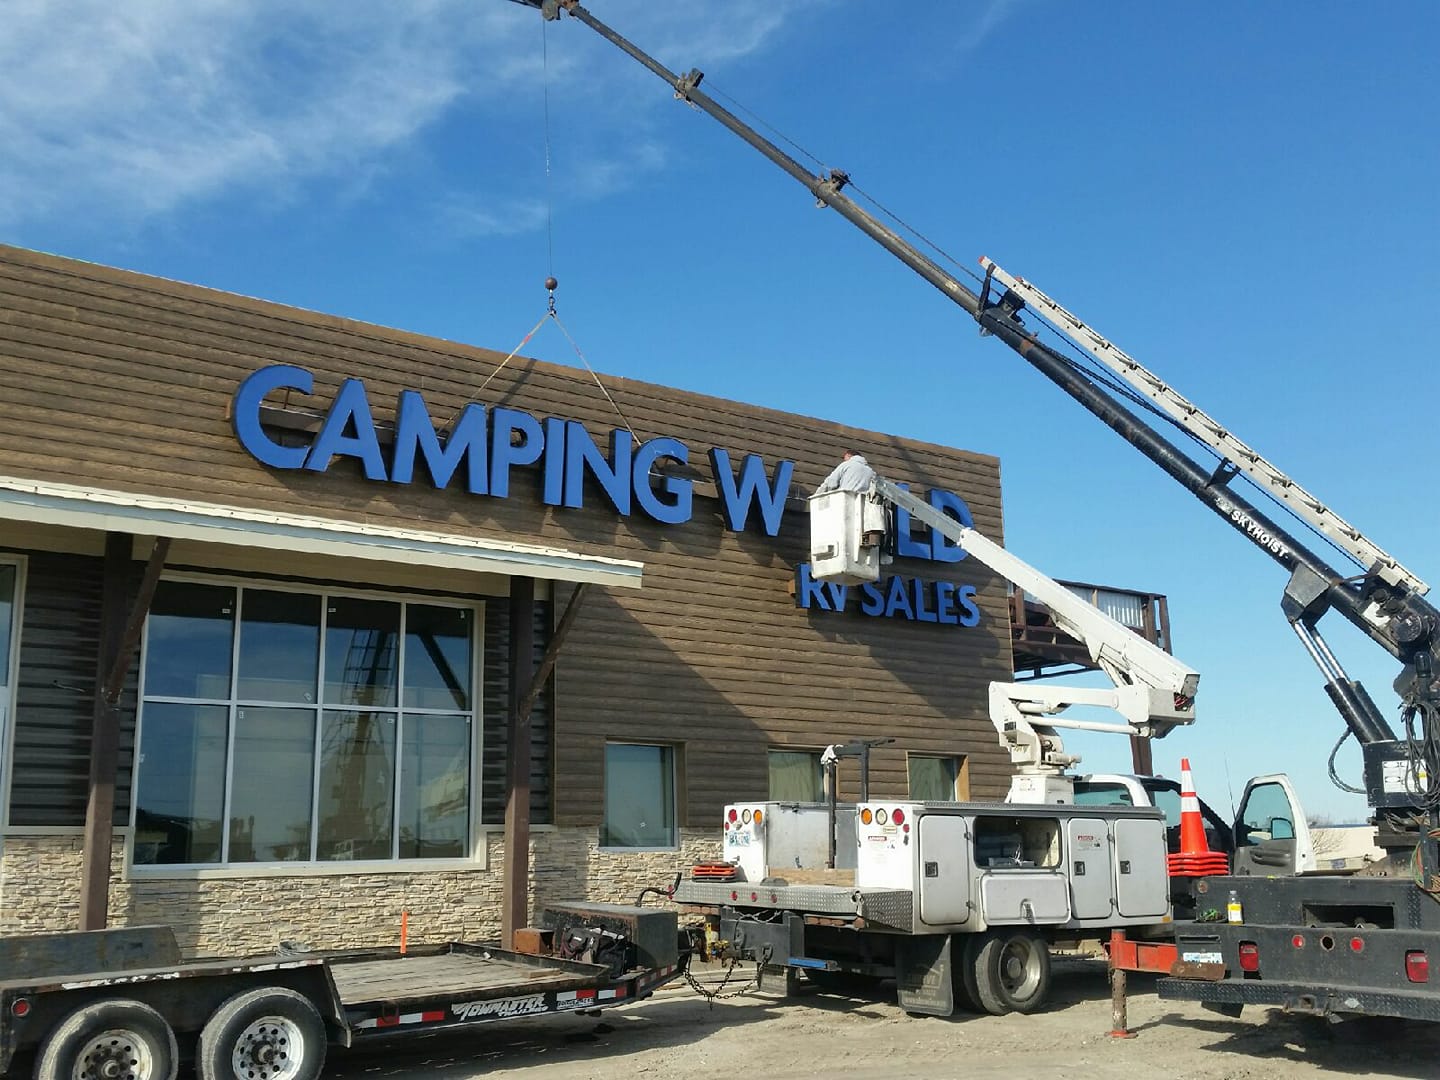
(1213, 434)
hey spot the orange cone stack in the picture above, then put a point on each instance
(1194, 859)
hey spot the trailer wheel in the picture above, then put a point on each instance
(1012, 972)
(267, 1034)
(119, 1039)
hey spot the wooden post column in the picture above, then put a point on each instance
(515, 893)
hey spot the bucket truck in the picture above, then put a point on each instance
(1328, 945)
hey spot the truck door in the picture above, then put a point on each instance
(1271, 835)
(1142, 885)
(944, 881)
(1092, 892)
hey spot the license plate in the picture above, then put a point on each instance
(1201, 957)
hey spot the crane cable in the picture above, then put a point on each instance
(551, 282)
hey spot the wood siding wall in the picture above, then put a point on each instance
(124, 382)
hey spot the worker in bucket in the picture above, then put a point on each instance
(852, 474)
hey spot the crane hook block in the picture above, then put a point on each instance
(551, 284)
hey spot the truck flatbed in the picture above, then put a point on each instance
(892, 908)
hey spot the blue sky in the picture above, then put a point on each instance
(1244, 197)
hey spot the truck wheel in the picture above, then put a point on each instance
(118, 1039)
(1012, 972)
(267, 1034)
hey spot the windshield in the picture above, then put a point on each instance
(1096, 793)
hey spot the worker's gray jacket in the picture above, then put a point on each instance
(852, 474)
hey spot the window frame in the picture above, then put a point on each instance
(11, 690)
(476, 844)
(676, 765)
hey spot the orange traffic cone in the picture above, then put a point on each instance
(1194, 859)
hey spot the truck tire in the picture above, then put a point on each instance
(119, 1039)
(1012, 972)
(271, 1033)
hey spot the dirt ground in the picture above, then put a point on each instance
(678, 1034)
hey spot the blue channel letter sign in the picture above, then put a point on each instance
(484, 445)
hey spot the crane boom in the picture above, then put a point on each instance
(1213, 434)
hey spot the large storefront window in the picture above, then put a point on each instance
(302, 727)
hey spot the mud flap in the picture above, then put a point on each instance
(922, 974)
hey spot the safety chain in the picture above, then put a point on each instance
(717, 995)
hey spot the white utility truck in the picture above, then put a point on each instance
(959, 902)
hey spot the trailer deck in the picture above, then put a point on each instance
(463, 970)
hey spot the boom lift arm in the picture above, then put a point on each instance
(1385, 602)
(1153, 691)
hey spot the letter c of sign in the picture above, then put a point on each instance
(246, 414)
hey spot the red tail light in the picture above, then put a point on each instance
(1417, 966)
(898, 816)
(1249, 956)
(20, 1007)
(734, 816)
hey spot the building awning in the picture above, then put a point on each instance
(45, 503)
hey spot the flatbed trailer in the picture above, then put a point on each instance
(122, 1004)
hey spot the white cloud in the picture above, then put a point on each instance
(127, 112)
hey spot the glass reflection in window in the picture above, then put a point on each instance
(435, 787)
(362, 645)
(279, 646)
(357, 785)
(180, 784)
(272, 778)
(437, 657)
(190, 636)
(7, 616)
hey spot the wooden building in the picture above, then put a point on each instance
(333, 530)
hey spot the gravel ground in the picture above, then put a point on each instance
(677, 1033)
